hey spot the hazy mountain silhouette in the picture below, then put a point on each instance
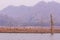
(25, 15)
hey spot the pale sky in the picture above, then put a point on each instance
(5, 3)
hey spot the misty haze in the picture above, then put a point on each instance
(30, 16)
(29, 20)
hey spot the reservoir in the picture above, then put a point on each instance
(29, 36)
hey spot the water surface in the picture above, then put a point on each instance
(28, 36)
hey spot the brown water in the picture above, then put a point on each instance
(28, 36)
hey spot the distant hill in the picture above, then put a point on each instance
(25, 15)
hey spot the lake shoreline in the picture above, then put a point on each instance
(28, 30)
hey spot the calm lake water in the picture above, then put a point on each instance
(28, 36)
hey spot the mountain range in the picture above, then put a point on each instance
(38, 15)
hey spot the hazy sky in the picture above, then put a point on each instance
(5, 3)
